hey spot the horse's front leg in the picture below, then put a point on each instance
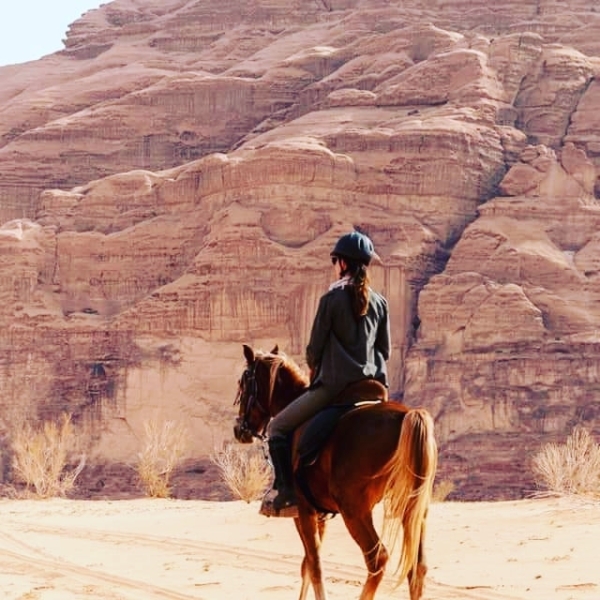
(311, 530)
(305, 579)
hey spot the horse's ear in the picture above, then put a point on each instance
(275, 349)
(248, 353)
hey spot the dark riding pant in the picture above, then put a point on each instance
(299, 411)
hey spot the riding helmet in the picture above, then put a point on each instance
(355, 246)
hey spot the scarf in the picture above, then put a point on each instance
(340, 283)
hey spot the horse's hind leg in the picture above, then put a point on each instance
(311, 530)
(362, 530)
(416, 577)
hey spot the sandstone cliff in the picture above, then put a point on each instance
(172, 181)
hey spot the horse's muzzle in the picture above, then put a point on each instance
(242, 434)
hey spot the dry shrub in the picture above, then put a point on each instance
(245, 470)
(570, 468)
(163, 448)
(442, 490)
(40, 457)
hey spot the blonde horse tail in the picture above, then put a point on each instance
(409, 488)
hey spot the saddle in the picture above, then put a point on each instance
(311, 436)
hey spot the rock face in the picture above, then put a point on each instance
(509, 338)
(171, 184)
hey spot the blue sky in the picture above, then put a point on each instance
(30, 29)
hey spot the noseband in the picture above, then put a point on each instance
(248, 398)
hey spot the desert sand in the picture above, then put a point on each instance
(143, 549)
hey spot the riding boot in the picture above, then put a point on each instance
(284, 503)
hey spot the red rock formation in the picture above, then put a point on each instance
(172, 181)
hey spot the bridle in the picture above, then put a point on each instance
(248, 398)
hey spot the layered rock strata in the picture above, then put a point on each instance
(172, 181)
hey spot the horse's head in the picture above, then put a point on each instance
(253, 397)
(269, 381)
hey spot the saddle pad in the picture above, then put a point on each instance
(318, 430)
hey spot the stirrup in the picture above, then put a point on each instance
(268, 509)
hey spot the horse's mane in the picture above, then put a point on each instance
(283, 361)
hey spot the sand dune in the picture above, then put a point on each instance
(197, 550)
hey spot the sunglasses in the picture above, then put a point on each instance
(334, 260)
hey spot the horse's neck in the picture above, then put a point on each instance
(283, 395)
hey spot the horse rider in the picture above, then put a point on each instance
(349, 342)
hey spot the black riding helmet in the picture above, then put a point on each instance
(355, 246)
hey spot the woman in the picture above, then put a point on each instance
(350, 341)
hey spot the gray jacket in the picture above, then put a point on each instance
(343, 349)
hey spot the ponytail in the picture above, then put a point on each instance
(360, 291)
(358, 287)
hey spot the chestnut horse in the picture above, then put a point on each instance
(383, 451)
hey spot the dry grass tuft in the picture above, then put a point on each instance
(570, 468)
(442, 490)
(244, 469)
(163, 448)
(40, 458)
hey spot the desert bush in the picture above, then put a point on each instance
(569, 468)
(40, 457)
(163, 448)
(442, 490)
(245, 470)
